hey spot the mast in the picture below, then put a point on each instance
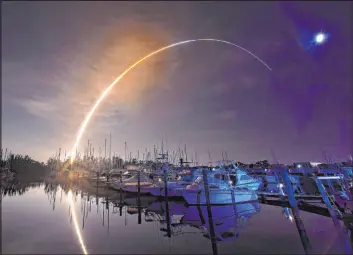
(110, 150)
(105, 148)
(209, 157)
(186, 155)
(162, 147)
(125, 150)
(88, 149)
(59, 158)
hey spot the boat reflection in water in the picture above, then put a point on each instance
(225, 224)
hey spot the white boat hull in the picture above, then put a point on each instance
(175, 189)
(172, 192)
(134, 189)
(219, 197)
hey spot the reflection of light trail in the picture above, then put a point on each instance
(107, 90)
(77, 228)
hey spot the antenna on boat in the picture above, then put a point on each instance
(186, 155)
(274, 156)
(324, 155)
(209, 157)
(196, 159)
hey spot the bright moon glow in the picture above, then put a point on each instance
(320, 38)
(107, 90)
(74, 218)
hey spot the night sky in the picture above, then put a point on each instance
(57, 57)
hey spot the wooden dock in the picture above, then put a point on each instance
(285, 197)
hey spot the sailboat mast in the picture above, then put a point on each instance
(110, 150)
(87, 148)
(186, 155)
(162, 147)
(125, 150)
(105, 148)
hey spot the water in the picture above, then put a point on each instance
(47, 219)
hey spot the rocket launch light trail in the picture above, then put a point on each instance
(77, 228)
(109, 88)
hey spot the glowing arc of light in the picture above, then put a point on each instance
(77, 227)
(108, 89)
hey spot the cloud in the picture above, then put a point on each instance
(38, 107)
(227, 115)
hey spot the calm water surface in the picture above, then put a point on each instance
(50, 220)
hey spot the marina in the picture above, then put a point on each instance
(215, 201)
(106, 225)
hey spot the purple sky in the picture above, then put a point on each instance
(57, 57)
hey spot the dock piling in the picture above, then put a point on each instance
(165, 170)
(209, 212)
(139, 198)
(334, 214)
(295, 210)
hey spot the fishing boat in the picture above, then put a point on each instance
(176, 188)
(303, 168)
(131, 184)
(99, 180)
(222, 190)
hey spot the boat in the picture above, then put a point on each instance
(119, 175)
(222, 190)
(176, 188)
(303, 168)
(131, 184)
